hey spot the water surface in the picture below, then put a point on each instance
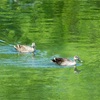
(59, 29)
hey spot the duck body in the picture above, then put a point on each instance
(65, 61)
(25, 48)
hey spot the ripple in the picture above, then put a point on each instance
(9, 56)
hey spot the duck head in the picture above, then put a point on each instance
(77, 58)
(33, 45)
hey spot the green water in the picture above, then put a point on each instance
(60, 28)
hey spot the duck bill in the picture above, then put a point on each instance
(80, 60)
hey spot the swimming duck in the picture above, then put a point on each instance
(65, 61)
(25, 48)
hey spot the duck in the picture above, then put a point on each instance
(25, 48)
(66, 61)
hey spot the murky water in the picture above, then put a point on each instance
(59, 29)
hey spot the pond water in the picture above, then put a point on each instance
(60, 28)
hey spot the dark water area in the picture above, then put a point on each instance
(60, 28)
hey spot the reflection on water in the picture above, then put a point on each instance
(60, 28)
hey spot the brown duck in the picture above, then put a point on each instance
(25, 48)
(65, 61)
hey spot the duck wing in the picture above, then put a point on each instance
(21, 48)
(60, 60)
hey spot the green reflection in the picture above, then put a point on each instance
(59, 28)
